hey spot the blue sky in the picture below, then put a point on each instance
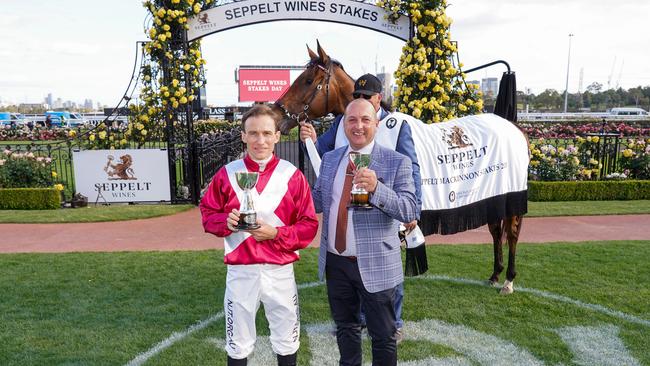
(78, 49)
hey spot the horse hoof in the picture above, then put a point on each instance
(507, 288)
(492, 283)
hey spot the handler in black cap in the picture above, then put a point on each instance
(391, 133)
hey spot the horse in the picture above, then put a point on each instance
(325, 87)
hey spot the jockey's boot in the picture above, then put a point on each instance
(288, 360)
(237, 362)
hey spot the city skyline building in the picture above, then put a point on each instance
(490, 86)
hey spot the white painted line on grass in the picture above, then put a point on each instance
(548, 295)
(177, 336)
(597, 346)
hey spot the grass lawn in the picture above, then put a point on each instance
(130, 212)
(587, 208)
(108, 308)
(90, 214)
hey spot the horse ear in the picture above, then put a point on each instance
(325, 59)
(313, 56)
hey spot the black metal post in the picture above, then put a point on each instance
(195, 189)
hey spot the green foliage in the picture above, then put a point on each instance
(589, 190)
(30, 198)
(24, 170)
(163, 96)
(635, 159)
(212, 126)
(549, 163)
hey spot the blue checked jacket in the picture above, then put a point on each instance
(375, 230)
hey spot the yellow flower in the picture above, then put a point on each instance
(628, 153)
(183, 100)
(144, 132)
(102, 134)
(91, 137)
(54, 175)
(175, 82)
(58, 187)
(72, 133)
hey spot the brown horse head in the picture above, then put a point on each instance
(324, 87)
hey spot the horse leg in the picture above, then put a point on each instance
(496, 230)
(513, 228)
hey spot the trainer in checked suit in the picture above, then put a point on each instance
(360, 248)
(259, 262)
(392, 133)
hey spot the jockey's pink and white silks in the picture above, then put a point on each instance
(282, 198)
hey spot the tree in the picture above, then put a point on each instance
(594, 87)
(549, 100)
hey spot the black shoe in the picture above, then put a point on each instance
(237, 362)
(288, 360)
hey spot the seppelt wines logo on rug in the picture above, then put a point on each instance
(461, 150)
(122, 175)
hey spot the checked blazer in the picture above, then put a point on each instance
(375, 230)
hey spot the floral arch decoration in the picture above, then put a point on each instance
(430, 83)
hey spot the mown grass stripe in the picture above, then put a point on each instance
(548, 295)
(177, 336)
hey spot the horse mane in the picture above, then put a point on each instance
(319, 62)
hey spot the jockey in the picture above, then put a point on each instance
(393, 133)
(260, 261)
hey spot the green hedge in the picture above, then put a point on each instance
(589, 190)
(29, 199)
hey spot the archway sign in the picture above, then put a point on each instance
(242, 13)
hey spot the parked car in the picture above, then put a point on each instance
(12, 119)
(64, 119)
(628, 111)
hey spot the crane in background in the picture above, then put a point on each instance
(620, 73)
(611, 73)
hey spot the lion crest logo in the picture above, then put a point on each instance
(455, 138)
(121, 170)
(203, 19)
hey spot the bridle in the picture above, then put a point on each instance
(305, 109)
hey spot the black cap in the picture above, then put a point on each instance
(367, 84)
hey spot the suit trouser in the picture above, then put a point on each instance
(345, 291)
(274, 286)
(398, 304)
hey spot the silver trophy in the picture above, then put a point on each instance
(247, 215)
(360, 197)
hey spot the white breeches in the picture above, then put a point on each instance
(273, 285)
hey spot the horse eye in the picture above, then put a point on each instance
(310, 81)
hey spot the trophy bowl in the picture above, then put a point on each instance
(360, 198)
(247, 214)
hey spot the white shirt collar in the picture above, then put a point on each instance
(364, 150)
(262, 163)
